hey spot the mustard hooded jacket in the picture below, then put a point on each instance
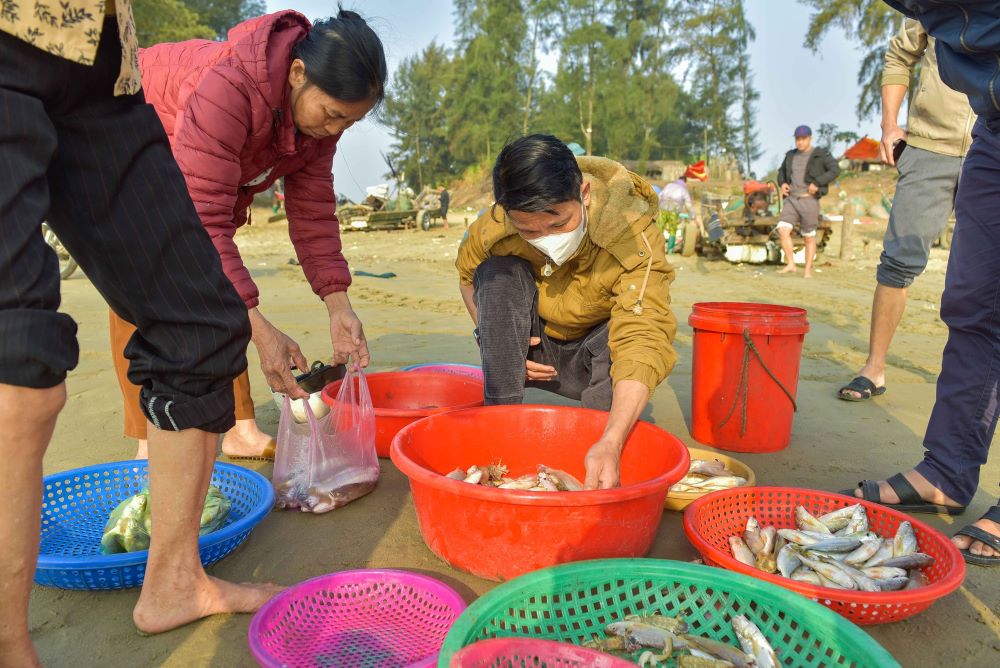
(619, 275)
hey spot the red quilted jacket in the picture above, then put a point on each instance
(225, 107)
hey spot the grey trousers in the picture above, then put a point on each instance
(925, 195)
(507, 303)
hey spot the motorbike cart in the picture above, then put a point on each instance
(746, 229)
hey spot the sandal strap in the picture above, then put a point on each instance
(870, 491)
(861, 385)
(982, 536)
(905, 491)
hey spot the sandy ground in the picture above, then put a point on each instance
(418, 317)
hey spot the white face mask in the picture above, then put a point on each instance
(560, 247)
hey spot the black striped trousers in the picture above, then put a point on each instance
(99, 169)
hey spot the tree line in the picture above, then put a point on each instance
(633, 79)
(177, 20)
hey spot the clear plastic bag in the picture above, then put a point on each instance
(326, 463)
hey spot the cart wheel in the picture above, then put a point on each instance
(691, 233)
(426, 220)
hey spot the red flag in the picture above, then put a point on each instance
(697, 171)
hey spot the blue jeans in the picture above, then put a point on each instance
(965, 413)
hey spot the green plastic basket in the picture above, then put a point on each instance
(572, 602)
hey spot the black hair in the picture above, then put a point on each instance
(534, 173)
(344, 58)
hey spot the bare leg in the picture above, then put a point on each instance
(887, 312)
(177, 590)
(247, 440)
(142, 450)
(810, 255)
(27, 419)
(786, 245)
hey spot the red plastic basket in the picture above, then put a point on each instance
(522, 652)
(712, 519)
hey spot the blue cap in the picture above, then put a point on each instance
(803, 131)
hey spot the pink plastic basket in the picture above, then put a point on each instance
(520, 652)
(361, 618)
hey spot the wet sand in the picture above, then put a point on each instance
(418, 317)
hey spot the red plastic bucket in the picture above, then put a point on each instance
(746, 374)
(402, 397)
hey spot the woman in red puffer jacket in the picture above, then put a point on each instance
(271, 101)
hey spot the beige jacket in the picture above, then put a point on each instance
(614, 277)
(939, 119)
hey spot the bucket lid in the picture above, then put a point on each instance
(734, 317)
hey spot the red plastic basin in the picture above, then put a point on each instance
(402, 397)
(499, 534)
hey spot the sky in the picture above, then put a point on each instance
(796, 86)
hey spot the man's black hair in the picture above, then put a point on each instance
(535, 173)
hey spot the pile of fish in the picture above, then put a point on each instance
(495, 475)
(707, 476)
(835, 550)
(669, 635)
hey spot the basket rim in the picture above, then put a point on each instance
(127, 559)
(399, 575)
(418, 474)
(328, 393)
(555, 646)
(826, 619)
(926, 594)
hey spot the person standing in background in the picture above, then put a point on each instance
(938, 133)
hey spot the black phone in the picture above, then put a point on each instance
(897, 150)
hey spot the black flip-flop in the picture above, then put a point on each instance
(909, 498)
(982, 536)
(862, 386)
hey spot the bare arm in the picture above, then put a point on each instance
(892, 100)
(468, 297)
(604, 457)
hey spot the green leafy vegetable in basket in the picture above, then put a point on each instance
(128, 528)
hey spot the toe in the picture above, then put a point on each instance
(961, 542)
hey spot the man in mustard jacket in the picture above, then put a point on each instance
(567, 281)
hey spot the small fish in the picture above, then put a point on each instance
(766, 562)
(892, 584)
(858, 522)
(649, 658)
(905, 541)
(797, 537)
(769, 534)
(611, 644)
(754, 643)
(779, 543)
(522, 483)
(862, 581)
(457, 474)
(752, 536)
(829, 572)
(714, 468)
(884, 572)
(741, 552)
(807, 522)
(835, 544)
(720, 650)
(672, 624)
(830, 584)
(884, 552)
(788, 561)
(869, 546)
(644, 635)
(914, 560)
(839, 518)
(808, 576)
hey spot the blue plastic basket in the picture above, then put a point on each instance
(76, 505)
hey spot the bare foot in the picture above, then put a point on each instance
(927, 491)
(174, 607)
(142, 452)
(788, 269)
(978, 547)
(19, 654)
(247, 440)
(807, 273)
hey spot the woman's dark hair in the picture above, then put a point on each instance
(534, 173)
(344, 58)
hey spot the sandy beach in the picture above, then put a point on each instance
(418, 317)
